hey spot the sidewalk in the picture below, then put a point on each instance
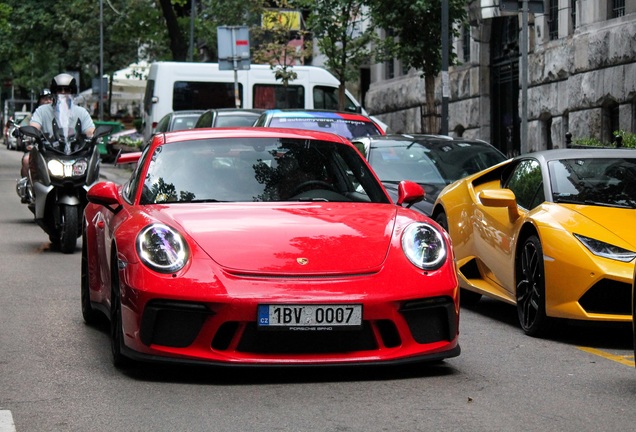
(118, 174)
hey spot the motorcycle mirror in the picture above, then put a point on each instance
(31, 131)
(102, 131)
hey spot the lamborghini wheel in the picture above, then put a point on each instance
(530, 277)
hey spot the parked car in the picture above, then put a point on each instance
(228, 117)
(432, 161)
(18, 117)
(265, 247)
(178, 120)
(345, 124)
(550, 232)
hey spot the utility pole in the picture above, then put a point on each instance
(524, 78)
(445, 78)
(191, 49)
(101, 60)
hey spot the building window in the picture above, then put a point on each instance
(573, 12)
(389, 69)
(553, 19)
(618, 8)
(466, 43)
(610, 121)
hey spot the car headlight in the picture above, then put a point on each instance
(162, 248)
(424, 246)
(71, 168)
(606, 250)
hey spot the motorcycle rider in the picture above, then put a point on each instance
(63, 87)
(45, 97)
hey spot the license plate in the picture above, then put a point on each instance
(310, 317)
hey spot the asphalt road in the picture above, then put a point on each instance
(56, 375)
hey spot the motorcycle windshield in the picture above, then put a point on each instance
(67, 124)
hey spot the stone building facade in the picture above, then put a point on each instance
(581, 77)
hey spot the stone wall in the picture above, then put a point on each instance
(571, 81)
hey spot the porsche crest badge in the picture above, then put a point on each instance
(302, 261)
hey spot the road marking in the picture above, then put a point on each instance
(6, 422)
(627, 360)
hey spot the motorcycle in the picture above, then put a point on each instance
(62, 167)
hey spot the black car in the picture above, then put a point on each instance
(228, 117)
(433, 161)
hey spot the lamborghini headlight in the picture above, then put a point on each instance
(606, 250)
(424, 246)
(162, 248)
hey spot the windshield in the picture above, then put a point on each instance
(258, 169)
(347, 128)
(430, 162)
(595, 181)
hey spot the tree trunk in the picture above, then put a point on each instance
(178, 45)
(430, 118)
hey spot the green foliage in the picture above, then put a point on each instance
(416, 28)
(629, 140)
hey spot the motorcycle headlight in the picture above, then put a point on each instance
(79, 167)
(71, 168)
(162, 248)
(606, 250)
(56, 168)
(424, 246)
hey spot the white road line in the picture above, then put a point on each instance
(6, 422)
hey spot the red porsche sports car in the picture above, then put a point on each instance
(265, 246)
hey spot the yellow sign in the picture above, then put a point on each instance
(286, 19)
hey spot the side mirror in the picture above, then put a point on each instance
(105, 194)
(102, 131)
(501, 198)
(31, 131)
(409, 193)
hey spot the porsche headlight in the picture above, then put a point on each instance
(162, 248)
(424, 246)
(606, 250)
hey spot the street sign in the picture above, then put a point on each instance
(233, 47)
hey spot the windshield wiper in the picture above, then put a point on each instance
(206, 200)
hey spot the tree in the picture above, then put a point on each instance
(344, 36)
(274, 41)
(415, 27)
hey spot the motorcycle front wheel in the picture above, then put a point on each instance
(69, 228)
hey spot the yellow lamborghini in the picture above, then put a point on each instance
(551, 232)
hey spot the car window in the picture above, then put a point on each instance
(347, 128)
(181, 122)
(205, 120)
(196, 95)
(527, 184)
(326, 98)
(235, 120)
(269, 96)
(596, 181)
(258, 169)
(162, 125)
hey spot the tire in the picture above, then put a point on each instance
(69, 228)
(116, 328)
(442, 220)
(530, 278)
(89, 314)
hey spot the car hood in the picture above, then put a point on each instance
(608, 224)
(295, 238)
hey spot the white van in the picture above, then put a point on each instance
(176, 86)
